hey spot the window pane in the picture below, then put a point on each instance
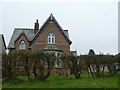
(52, 40)
(49, 40)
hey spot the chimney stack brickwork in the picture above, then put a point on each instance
(36, 27)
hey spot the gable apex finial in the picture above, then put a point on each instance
(51, 16)
(36, 20)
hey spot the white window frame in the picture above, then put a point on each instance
(22, 44)
(51, 38)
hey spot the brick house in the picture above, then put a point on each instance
(49, 36)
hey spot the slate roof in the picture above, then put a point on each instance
(66, 33)
(29, 33)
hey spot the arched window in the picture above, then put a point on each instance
(51, 38)
(22, 45)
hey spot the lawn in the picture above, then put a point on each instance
(57, 81)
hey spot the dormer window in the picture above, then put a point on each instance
(22, 45)
(51, 38)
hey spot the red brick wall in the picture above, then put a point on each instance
(60, 40)
(22, 37)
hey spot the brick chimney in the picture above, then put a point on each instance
(36, 27)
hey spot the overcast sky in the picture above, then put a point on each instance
(91, 24)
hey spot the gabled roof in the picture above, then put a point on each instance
(29, 33)
(24, 35)
(52, 18)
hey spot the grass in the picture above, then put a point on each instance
(56, 81)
